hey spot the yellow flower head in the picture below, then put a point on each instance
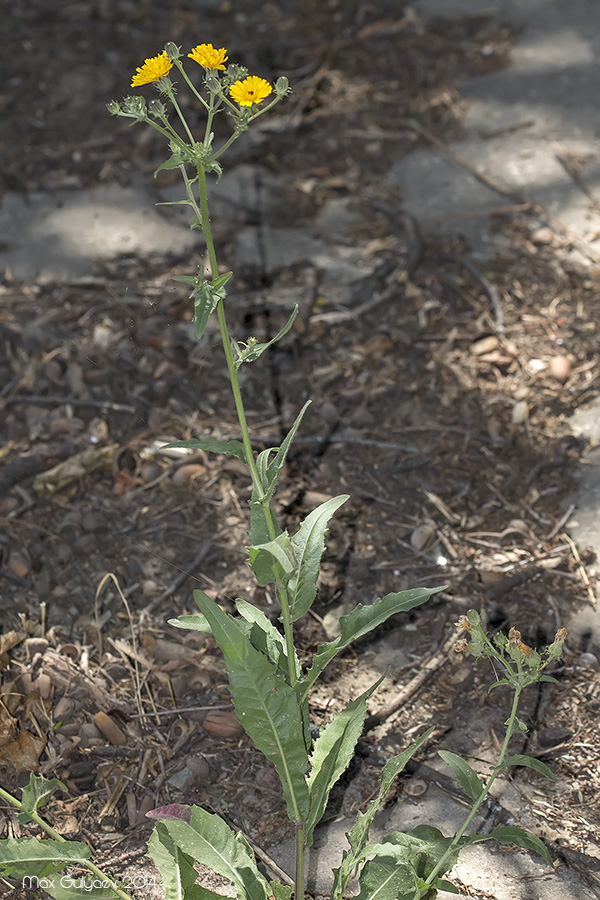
(251, 90)
(208, 56)
(153, 69)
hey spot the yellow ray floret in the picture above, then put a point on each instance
(208, 56)
(251, 90)
(153, 69)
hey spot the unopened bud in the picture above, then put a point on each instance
(282, 86)
(173, 51)
(114, 107)
(157, 109)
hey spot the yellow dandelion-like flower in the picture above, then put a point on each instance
(251, 90)
(208, 56)
(153, 69)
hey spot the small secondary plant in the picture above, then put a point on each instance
(270, 688)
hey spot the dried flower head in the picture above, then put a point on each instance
(154, 68)
(514, 637)
(251, 90)
(463, 623)
(561, 634)
(525, 649)
(462, 646)
(209, 57)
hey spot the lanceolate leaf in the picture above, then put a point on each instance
(194, 622)
(520, 760)
(466, 776)
(332, 752)
(512, 834)
(207, 839)
(21, 857)
(176, 868)
(358, 836)
(227, 448)
(266, 705)
(308, 544)
(253, 351)
(361, 621)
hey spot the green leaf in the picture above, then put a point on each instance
(309, 544)
(512, 834)
(21, 857)
(173, 162)
(176, 868)
(358, 836)
(361, 621)
(227, 448)
(207, 839)
(332, 752)
(280, 550)
(194, 622)
(383, 880)
(466, 776)
(36, 794)
(266, 638)
(281, 891)
(266, 705)
(520, 760)
(253, 350)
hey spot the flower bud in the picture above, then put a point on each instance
(114, 108)
(282, 86)
(173, 51)
(157, 109)
(135, 107)
(212, 82)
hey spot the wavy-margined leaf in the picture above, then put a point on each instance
(266, 638)
(332, 752)
(466, 776)
(361, 621)
(531, 762)
(512, 834)
(308, 545)
(358, 836)
(36, 794)
(266, 705)
(381, 879)
(176, 868)
(21, 857)
(206, 838)
(226, 448)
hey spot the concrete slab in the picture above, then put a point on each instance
(59, 236)
(548, 93)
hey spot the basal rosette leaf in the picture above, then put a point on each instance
(361, 621)
(206, 838)
(266, 705)
(331, 755)
(308, 545)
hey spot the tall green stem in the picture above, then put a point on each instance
(497, 769)
(241, 414)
